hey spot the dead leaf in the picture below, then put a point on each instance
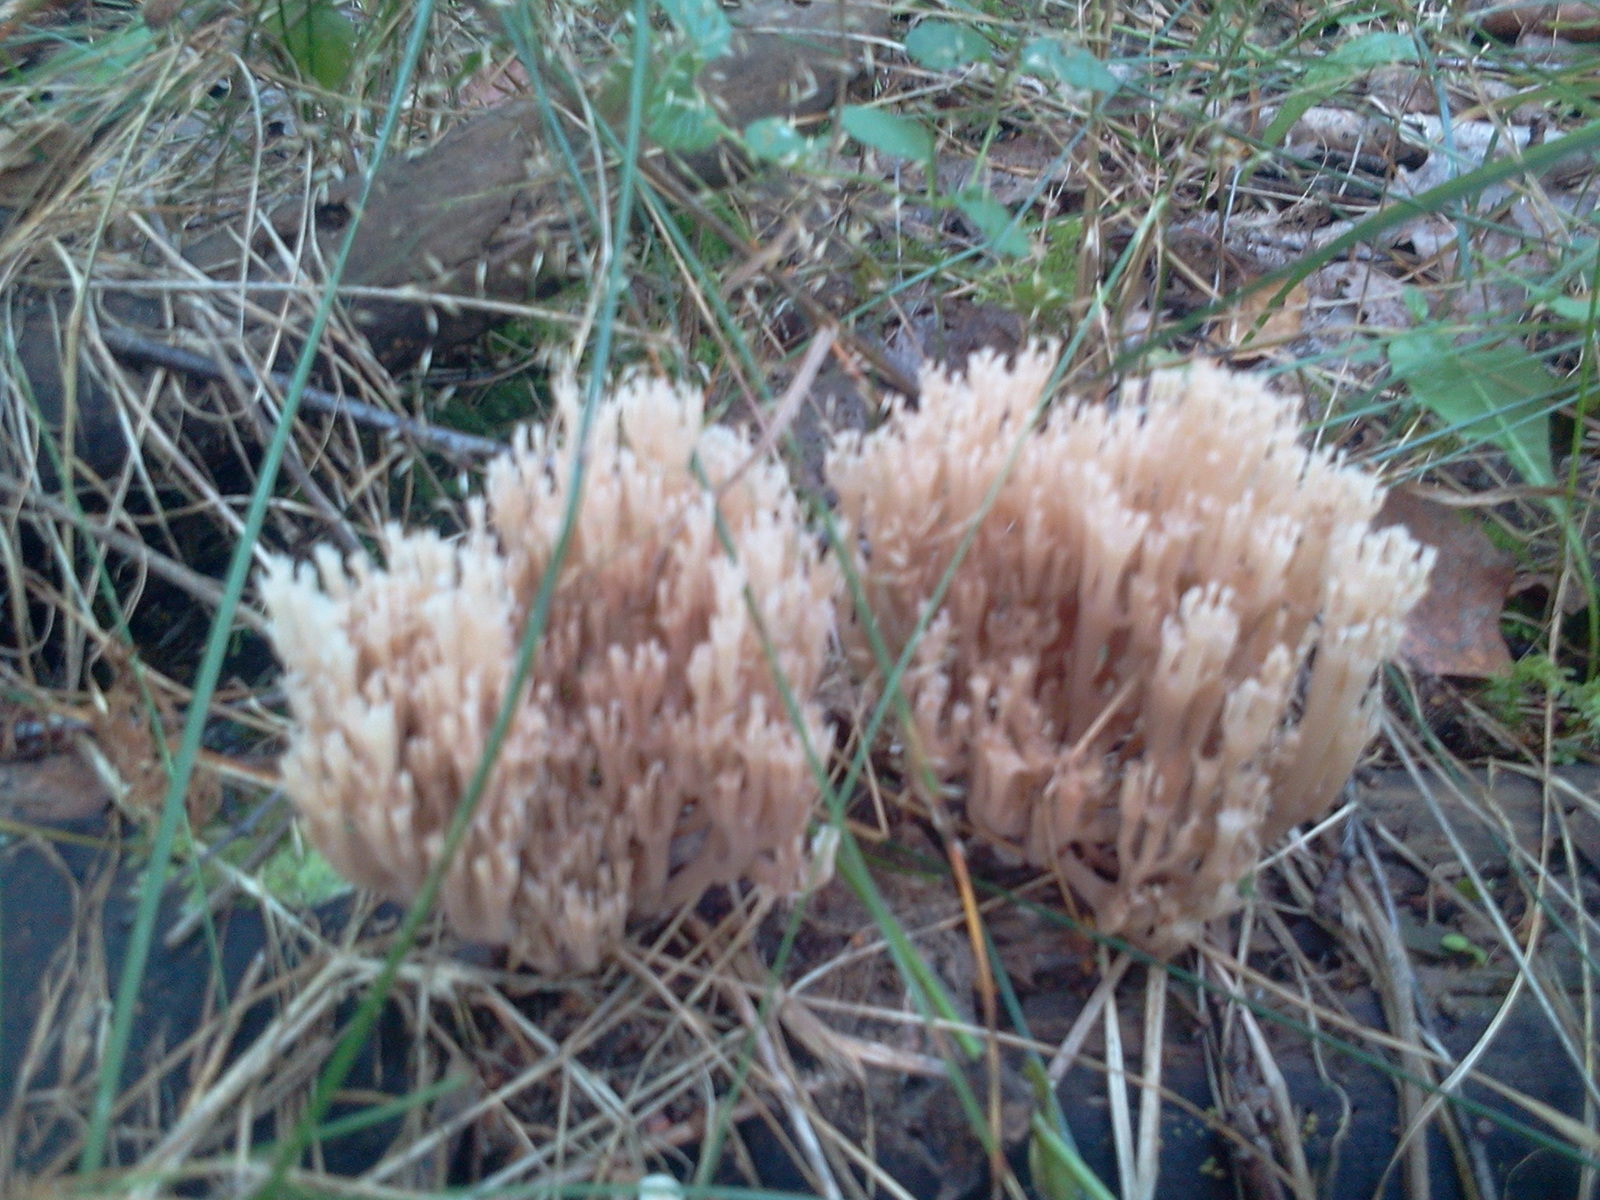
(39, 14)
(44, 777)
(495, 83)
(1577, 22)
(1256, 326)
(34, 155)
(158, 13)
(50, 790)
(129, 758)
(1375, 143)
(1455, 630)
(1351, 294)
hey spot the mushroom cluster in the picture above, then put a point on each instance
(1157, 654)
(651, 755)
(1159, 651)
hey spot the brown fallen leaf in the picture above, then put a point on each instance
(1256, 327)
(1576, 22)
(37, 14)
(36, 153)
(495, 83)
(44, 777)
(126, 753)
(1455, 630)
(158, 13)
(50, 790)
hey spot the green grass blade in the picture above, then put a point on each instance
(216, 648)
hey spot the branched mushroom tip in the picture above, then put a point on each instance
(652, 755)
(1160, 651)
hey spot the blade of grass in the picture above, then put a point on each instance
(377, 1114)
(181, 768)
(210, 670)
(361, 1025)
(1059, 1171)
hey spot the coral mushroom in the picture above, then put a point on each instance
(1159, 653)
(652, 755)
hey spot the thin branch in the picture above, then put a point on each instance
(448, 442)
(201, 587)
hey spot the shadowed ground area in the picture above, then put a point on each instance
(56, 963)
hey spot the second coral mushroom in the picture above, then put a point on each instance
(1158, 654)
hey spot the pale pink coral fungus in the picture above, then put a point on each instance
(1159, 654)
(652, 755)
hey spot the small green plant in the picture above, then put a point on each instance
(906, 137)
(1535, 679)
(1492, 391)
(1040, 290)
(317, 37)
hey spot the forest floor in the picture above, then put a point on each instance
(1386, 210)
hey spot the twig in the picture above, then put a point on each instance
(783, 415)
(449, 442)
(1397, 992)
(1147, 1158)
(1067, 1055)
(201, 587)
(774, 1056)
(1117, 1091)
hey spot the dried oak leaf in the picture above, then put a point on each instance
(1455, 629)
(1575, 22)
(57, 788)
